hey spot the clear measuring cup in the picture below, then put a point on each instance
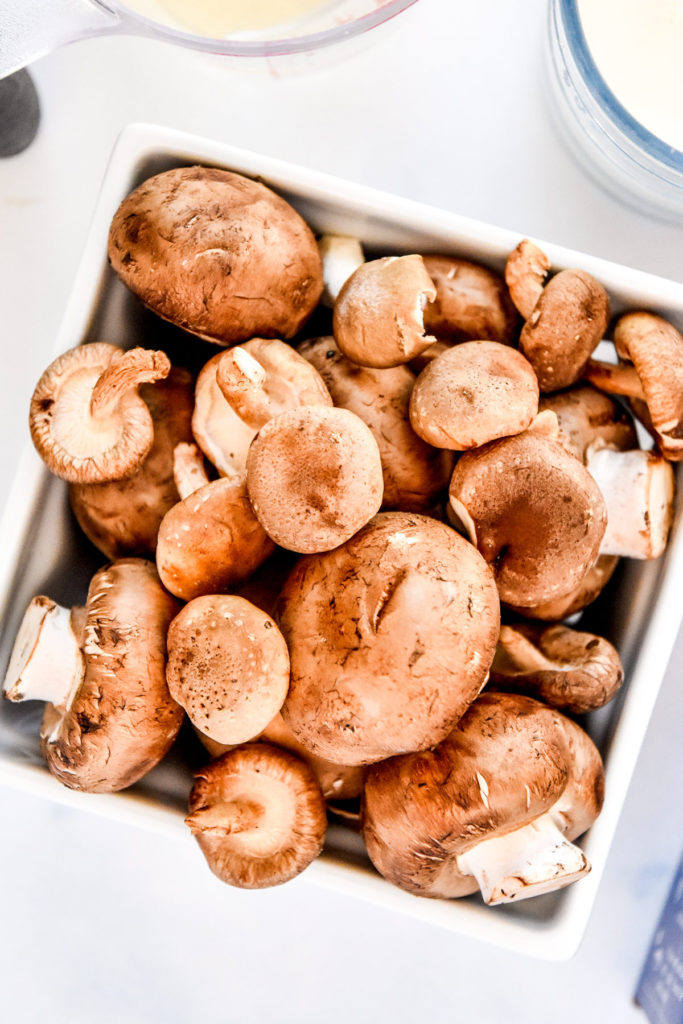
(32, 28)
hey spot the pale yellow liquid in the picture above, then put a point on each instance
(220, 18)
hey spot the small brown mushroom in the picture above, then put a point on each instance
(379, 313)
(471, 304)
(87, 421)
(494, 807)
(228, 667)
(571, 671)
(218, 430)
(258, 816)
(587, 590)
(110, 717)
(473, 393)
(314, 477)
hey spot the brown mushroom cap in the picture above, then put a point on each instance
(586, 591)
(414, 472)
(222, 436)
(258, 816)
(495, 805)
(569, 670)
(123, 517)
(534, 512)
(218, 254)
(586, 416)
(314, 477)
(475, 392)
(525, 273)
(379, 314)
(337, 782)
(378, 666)
(87, 421)
(472, 302)
(228, 667)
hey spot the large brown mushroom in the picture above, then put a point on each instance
(110, 717)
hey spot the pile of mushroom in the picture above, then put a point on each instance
(438, 459)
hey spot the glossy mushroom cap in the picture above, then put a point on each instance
(471, 304)
(258, 816)
(493, 807)
(378, 666)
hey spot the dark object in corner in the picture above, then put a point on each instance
(19, 113)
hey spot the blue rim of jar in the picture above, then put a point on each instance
(597, 86)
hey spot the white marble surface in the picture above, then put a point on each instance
(104, 923)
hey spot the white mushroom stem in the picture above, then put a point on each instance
(46, 661)
(125, 372)
(189, 472)
(638, 488)
(341, 255)
(242, 381)
(226, 818)
(527, 862)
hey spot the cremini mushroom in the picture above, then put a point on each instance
(494, 807)
(218, 430)
(258, 816)
(110, 717)
(584, 593)
(87, 421)
(314, 477)
(533, 511)
(390, 636)
(473, 393)
(414, 472)
(210, 541)
(471, 303)
(228, 667)
(570, 670)
(122, 517)
(218, 254)
(379, 313)
(340, 255)
(565, 317)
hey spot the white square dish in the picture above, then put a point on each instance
(43, 552)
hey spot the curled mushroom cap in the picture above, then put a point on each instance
(379, 313)
(414, 472)
(569, 670)
(533, 511)
(218, 430)
(110, 718)
(473, 393)
(258, 816)
(314, 477)
(587, 590)
(228, 667)
(87, 421)
(218, 254)
(494, 807)
(377, 667)
(472, 302)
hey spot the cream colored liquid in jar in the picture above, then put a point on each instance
(220, 18)
(637, 46)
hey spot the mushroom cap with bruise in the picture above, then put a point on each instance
(222, 436)
(314, 477)
(415, 473)
(584, 593)
(228, 667)
(586, 416)
(378, 317)
(473, 393)
(471, 304)
(122, 719)
(217, 254)
(534, 512)
(390, 639)
(566, 325)
(258, 816)
(508, 761)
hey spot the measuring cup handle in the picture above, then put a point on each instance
(31, 28)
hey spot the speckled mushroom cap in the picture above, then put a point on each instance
(218, 254)
(512, 770)
(390, 637)
(534, 512)
(258, 816)
(228, 666)
(379, 313)
(584, 593)
(222, 436)
(570, 670)
(314, 477)
(87, 421)
(415, 473)
(586, 416)
(472, 302)
(473, 393)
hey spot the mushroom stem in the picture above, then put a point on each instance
(613, 379)
(516, 654)
(225, 818)
(189, 472)
(527, 862)
(126, 371)
(638, 488)
(242, 379)
(46, 661)
(340, 255)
